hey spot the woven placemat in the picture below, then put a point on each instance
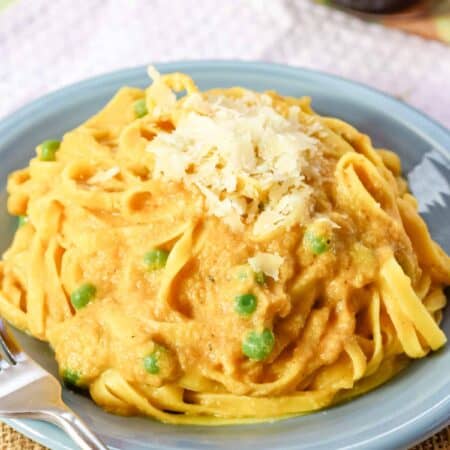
(12, 440)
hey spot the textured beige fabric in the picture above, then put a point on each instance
(45, 44)
(12, 440)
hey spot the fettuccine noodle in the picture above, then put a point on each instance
(219, 257)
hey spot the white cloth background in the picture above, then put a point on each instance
(48, 44)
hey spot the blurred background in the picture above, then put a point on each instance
(401, 47)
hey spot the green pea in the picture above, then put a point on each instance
(22, 220)
(152, 361)
(49, 149)
(317, 244)
(83, 295)
(260, 278)
(151, 364)
(71, 377)
(245, 304)
(258, 346)
(140, 108)
(156, 259)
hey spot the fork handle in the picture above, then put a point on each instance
(76, 429)
(69, 422)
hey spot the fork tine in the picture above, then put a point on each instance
(8, 344)
(27, 390)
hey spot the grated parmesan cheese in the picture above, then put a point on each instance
(268, 263)
(242, 155)
(159, 94)
(326, 219)
(104, 175)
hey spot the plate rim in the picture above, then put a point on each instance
(418, 428)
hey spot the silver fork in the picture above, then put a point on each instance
(28, 391)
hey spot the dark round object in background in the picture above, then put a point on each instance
(375, 6)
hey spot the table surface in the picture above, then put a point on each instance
(46, 45)
(12, 440)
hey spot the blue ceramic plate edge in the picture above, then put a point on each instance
(430, 420)
(29, 108)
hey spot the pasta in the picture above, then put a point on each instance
(220, 257)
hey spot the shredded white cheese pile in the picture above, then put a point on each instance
(267, 263)
(104, 175)
(244, 157)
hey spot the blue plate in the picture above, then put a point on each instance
(407, 409)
